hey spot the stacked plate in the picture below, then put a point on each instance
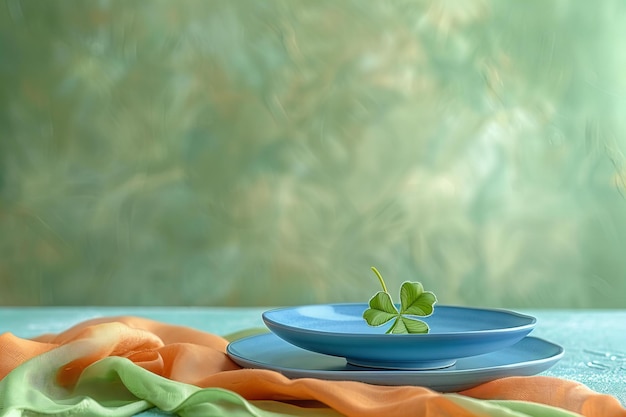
(465, 347)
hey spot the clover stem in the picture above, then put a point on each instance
(380, 278)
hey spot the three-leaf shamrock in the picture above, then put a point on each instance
(414, 301)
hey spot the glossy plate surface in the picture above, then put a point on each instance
(529, 356)
(455, 332)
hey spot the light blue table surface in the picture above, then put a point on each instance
(594, 340)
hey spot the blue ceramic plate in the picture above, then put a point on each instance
(455, 332)
(529, 356)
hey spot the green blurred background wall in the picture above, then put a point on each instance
(270, 152)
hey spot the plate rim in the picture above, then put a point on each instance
(530, 325)
(560, 352)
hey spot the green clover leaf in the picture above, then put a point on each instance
(405, 325)
(381, 309)
(414, 301)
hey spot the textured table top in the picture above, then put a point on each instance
(594, 340)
